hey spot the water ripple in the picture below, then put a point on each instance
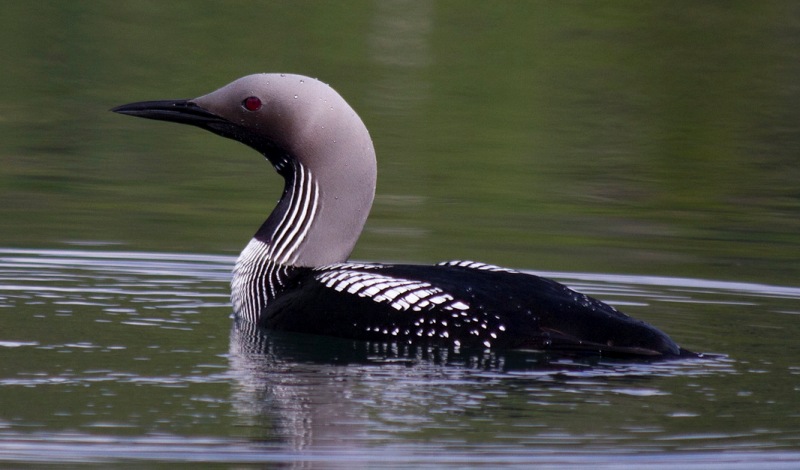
(116, 344)
(74, 447)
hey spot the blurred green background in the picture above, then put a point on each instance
(622, 137)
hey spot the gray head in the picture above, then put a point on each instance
(314, 139)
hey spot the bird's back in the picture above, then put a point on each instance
(461, 304)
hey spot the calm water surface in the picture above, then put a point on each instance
(112, 356)
(644, 152)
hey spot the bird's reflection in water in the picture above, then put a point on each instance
(313, 391)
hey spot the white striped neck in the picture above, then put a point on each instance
(267, 261)
(257, 280)
(320, 215)
(284, 234)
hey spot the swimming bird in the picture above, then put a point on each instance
(293, 275)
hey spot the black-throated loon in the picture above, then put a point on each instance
(293, 274)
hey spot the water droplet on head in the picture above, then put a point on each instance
(295, 96)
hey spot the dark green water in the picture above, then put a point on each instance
(644, 152)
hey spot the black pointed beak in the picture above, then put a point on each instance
(180, 111)
(187, 112)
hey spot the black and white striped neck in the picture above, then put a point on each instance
(268, 260)
(285, 231)
(257, 281)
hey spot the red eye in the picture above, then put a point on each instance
(251, 103)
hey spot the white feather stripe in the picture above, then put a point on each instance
(303, 219)
(400, 304)
(275, 239)
(476, 265)
(313, 200)
(245, 291)
(262, 267)
(400, 294)
(370, 291)
(393, 291)
(345, 279)
(370, 285)
(349, 266)
(284, 233)
(256, 280)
